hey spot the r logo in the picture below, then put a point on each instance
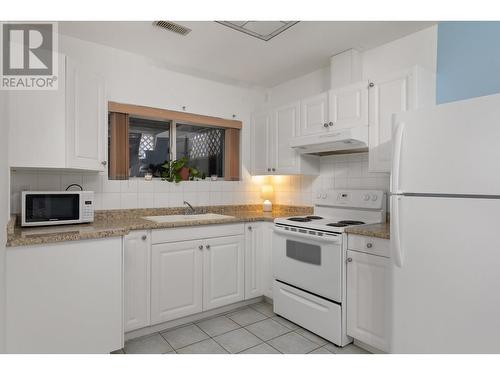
(27, 49)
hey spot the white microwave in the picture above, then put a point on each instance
(56, 207)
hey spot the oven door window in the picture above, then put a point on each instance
(52, 207)
(303, 252)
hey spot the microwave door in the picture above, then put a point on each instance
(51, 208)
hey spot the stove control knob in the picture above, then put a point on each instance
(374, 197)
(366, 197)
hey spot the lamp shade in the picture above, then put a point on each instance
(267, 192)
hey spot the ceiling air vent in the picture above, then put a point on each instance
(170, 26)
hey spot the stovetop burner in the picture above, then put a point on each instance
(337, 225)
(313, 217)
(300, 219)
(351, 222)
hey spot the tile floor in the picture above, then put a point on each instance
(253, 329)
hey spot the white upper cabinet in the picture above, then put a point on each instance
(271, 151)
(341, 108)
(86, 118)
(389, 94)
(314, 114)
(284, 159)
(261, 131)
(348, 106)
(64, 128)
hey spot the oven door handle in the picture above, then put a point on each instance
(329, 239)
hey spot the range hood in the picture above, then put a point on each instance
(335, 141)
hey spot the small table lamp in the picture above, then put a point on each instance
(267, 193)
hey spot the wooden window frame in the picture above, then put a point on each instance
(117, 154)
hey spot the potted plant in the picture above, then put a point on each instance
(178, 170)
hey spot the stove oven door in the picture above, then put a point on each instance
(308, 261)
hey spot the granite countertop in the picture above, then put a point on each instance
(114, 223)
(371, 230)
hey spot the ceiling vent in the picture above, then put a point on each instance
(170, 26)
(264, 30)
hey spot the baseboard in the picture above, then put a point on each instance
(367, 347)
(268, 299)
(190, 319)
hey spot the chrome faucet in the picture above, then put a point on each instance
(190, 208)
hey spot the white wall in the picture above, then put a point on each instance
(4, 209)
(135, 79)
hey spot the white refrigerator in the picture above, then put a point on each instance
(445, 229)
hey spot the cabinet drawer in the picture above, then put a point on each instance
(313, 313)
(370, 245)
(195, 232)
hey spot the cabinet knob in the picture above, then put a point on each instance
(250, 228)
(330, 123)
(269, 169)
(371, 84)
(369, 245)
(208, 247)
(274, 169)
(325, 125)
(349, 260)
(104, 162)
(200, 247)
(144, 237)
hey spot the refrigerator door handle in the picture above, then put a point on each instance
(396, 250)
(396, 157)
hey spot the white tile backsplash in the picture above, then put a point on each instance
(336, 171)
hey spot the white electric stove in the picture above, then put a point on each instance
(309, 255)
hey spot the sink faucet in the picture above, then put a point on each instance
(190, 208)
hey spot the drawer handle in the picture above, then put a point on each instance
(369, 245)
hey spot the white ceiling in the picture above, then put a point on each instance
(215, 51)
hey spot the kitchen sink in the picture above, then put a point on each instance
(193, 217)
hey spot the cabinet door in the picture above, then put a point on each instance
(388, 95)
(267, 262)
(38, 126)
(348, 106)
(367, 298)
(223, 271)
(261, 132)
(176, 280)
(314, 114)
(86, 119)
(65, 297)
(136, 275)
(253, 260)
(286, 122)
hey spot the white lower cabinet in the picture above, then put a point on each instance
(176, 280)
(367, 298)
(195, 271)
(223, 271)
(267, 260)
(253, 260)
(65, 297)
(136, 280)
